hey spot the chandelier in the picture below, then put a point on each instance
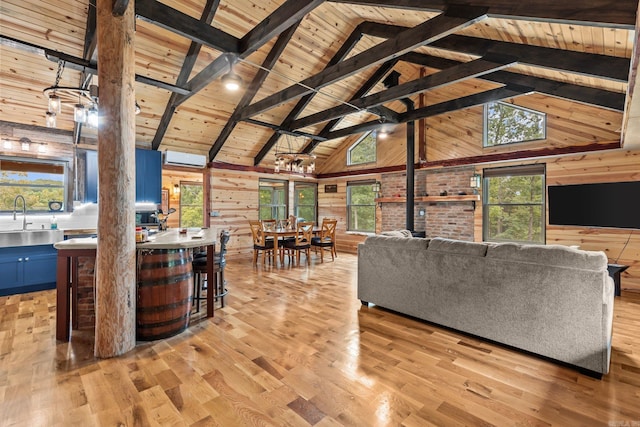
(289, 160)
(84, 101)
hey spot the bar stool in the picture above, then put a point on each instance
(218, 285)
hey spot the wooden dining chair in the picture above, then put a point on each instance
(301, 241)
(268, 224)
(326, 239)
(260, 243)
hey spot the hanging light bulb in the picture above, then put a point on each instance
(51, 119)
(231, 80)
(55, 104)
(92, 117)
(79, 114)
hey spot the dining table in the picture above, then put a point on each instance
(279, 233)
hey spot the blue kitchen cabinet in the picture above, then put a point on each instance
(91, 177)
(148, 176)
(27, 269)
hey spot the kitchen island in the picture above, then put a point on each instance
(171, 241)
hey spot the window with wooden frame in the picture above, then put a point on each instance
(514, 204)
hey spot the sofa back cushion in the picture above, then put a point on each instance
(417, 243)
(457, 247)
(550, 255)
(397, 233)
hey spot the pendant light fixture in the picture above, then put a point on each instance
(231, 80)
(84, 100)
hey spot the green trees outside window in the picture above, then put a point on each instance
(361, 207)
(305, 200)
(514, 204)
(272, 199)
(191, 205)
(506, 123)
(363, 150)
(38, 182)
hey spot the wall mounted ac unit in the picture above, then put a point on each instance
(176, 158)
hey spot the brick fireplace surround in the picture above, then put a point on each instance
(441, 219)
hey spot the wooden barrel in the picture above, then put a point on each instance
(165, 293)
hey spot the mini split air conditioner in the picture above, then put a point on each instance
(176, 158)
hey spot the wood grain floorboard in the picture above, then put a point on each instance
(294, 347)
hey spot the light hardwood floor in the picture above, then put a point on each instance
(294, 347)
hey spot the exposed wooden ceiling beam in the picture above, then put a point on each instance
(456, 73)
(191, 57)
(179, 23)
(273, 24)
(589, 64)
(279, 130)
(290, 12)
(433, 110)
(90, 38)
(80, 64)
(364, 89)
(454, 19)
(346, 47)
(615, 14)
(587, 95)
(262, 74)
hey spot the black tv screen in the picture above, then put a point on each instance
(612, 204)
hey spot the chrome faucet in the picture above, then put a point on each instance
(24, 210)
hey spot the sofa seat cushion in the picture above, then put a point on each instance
(548, 255)
(457, 247)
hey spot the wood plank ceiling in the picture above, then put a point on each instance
(307, 62)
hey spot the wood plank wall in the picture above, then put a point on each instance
(605, 166)
(234, 202)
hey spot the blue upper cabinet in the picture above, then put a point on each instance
(148, 176)
(91, 177)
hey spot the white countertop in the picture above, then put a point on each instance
(170, 239)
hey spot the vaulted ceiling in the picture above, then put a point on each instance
(313, 70)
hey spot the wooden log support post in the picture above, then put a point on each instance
(116, 254)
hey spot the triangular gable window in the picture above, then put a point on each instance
(363, 150)
(506, 123)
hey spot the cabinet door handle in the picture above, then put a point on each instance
(19, 259)
(26, 259)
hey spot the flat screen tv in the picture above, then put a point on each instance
(612, 204)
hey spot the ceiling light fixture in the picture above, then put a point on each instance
(83, 100)
(292, 161)
(231, 80)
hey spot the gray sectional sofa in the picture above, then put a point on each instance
(553, 300)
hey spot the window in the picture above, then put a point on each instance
(506, 123)
(191, 205)
(514, 204)
(273, 199)
(363, 150)
(37, 181)
(305, 200)
(361, 207)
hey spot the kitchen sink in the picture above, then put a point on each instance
(29, 237)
